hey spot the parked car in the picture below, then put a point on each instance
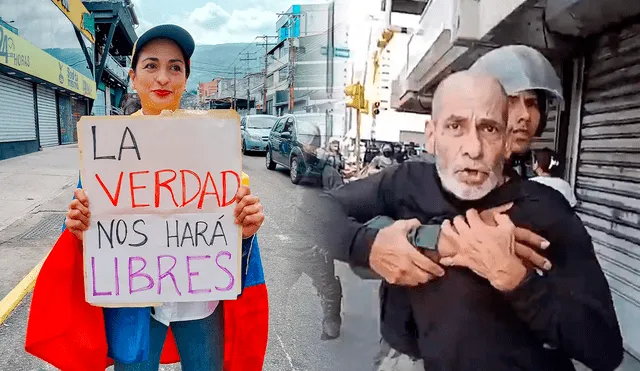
(293, 143)
(255, 131)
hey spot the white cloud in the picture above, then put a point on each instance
(211, 24)
(225, 21)
(253, 18)
(209, 15)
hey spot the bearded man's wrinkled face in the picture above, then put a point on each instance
(469, 136)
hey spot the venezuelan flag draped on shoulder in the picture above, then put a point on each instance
(67, 332)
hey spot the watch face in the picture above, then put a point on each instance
(426, 237)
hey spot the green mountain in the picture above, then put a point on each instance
(208, 61)
(216, 61)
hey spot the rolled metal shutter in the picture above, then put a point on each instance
(17, 113)
(47, 117)
(608, 173)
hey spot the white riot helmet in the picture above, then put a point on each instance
(520, 68)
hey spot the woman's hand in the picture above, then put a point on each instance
(78, 216)
(248, 212)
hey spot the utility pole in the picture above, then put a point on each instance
(248, 77)
(293, 18)
(233, 103)
(266, 66)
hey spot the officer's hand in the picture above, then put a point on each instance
(397, 261)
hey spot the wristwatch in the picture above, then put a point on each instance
(425, 237)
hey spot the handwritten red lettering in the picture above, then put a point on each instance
(166, 185)
(226, 202)
(205, 193)
(192, 191)
(184, 187)
(134, 188)
(114, 199)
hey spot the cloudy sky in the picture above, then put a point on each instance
(216, 22)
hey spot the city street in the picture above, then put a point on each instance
(296, 315)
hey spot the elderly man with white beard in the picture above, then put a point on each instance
(466, 299)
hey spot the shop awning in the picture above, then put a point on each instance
(408, 6)
(582, 18)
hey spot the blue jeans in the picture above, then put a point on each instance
(200, 344)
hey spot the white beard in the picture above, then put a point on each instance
(467, 192)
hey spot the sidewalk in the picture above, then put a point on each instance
(35, 191)
(28, 181)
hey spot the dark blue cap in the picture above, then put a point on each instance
(166, 31)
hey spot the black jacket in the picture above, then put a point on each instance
(459, 322)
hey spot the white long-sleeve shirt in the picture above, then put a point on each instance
(559, 185)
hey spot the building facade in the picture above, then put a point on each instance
(305, 69)
(208, 90)
(595, 47)
(48, 64)
(386, 47)
(115, 22)
(43, 93)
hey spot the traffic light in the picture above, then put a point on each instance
(356, 92)
(376, 109)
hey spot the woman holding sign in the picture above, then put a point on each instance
(203, 336)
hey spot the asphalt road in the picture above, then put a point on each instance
(295, 318)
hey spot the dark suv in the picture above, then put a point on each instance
(293, 142)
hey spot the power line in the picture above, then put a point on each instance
(293, 20)
(266, 68)
(248, 60)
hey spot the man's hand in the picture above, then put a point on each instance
(487, 250)
(397, 261)
(248, 212)
(527, 242)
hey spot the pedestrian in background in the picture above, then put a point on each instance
(547, 165)
(383, 160)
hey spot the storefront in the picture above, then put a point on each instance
(41, 98)
(17, 117)
(47, 117)
(606, 171)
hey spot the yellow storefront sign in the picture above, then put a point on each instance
(21, 55)
(79, 16)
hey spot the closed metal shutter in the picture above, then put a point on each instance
(17, 114)
(47, 117)
(608, 174)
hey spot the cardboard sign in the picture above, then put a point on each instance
(161, 194)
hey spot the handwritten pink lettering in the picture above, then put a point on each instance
(231, 278)
(93, 275)
(195, 274)
(139, 273)
(168, 273)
